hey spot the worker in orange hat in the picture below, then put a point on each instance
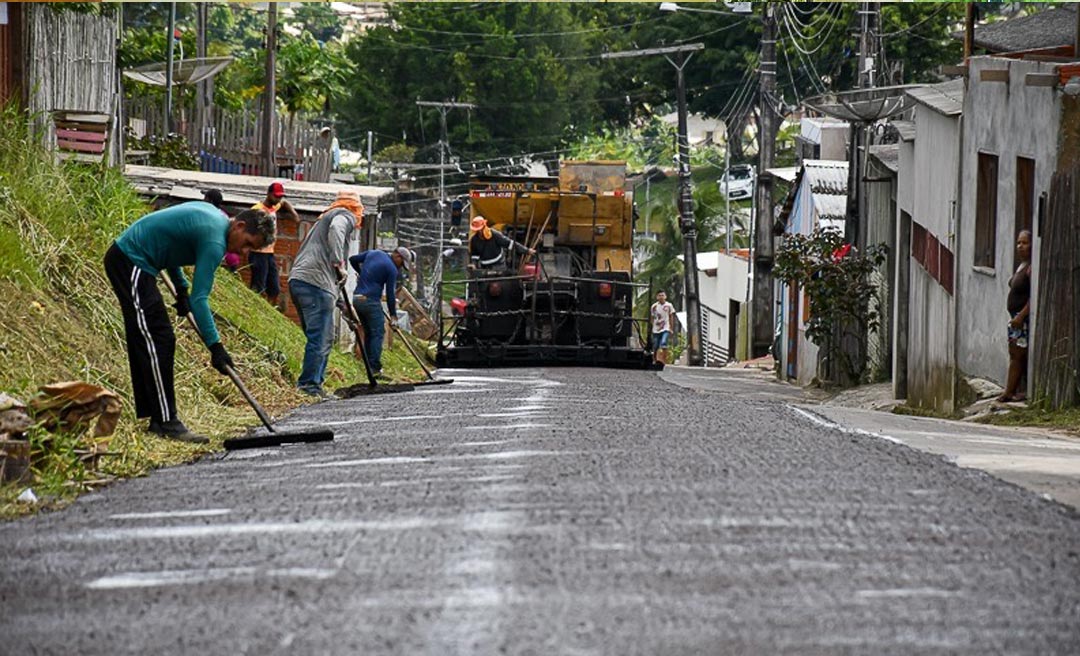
(487, 246)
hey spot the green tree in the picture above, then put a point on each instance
(661, 264)
(310, 75)
(836, 278)
(318, 19)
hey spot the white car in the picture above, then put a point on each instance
(738, 181)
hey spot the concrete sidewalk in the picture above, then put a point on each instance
(1042, 461)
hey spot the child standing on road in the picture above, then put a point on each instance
(662, 315)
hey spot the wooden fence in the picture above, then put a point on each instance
(1057, 331)
(231, 142)
(70, 64)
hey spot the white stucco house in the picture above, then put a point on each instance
(723, 283)
(977, 169)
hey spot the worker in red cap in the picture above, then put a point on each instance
(265, 277)
(486, 245)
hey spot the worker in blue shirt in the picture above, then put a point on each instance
(377, 270)
(188, 234)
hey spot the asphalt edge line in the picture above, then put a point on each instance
(828, 423)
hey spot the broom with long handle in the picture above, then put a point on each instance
(274, 436)
(401, 335)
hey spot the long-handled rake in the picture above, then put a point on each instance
(432, 380)
(372, 386)
(273, 437)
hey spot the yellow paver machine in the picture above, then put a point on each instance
(571, 303)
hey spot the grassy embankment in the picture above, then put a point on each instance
(59, 320)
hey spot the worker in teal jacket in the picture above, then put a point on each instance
(189, 234)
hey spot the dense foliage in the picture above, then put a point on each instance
(836, 279)
(534, 70)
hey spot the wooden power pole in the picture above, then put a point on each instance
(202, 89)
(695, 355)
(269, 115)
(762, 310)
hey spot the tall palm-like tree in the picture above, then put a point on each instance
(661, 265)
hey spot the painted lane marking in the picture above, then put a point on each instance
(752, 522)
(518, 413)
(825, 423)
(433, 391)
(270, 528)
(905, 592)
(508, 427)
(510, 455)
(166, 514)
(129, 580)
(487, 379)
(488, 443)
(283, 463)
(498, 455)
(412, 481)
(371, 419)
(397, 460)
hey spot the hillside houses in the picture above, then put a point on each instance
(950, 184)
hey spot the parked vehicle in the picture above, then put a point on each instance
(738, 181)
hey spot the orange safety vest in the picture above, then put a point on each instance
(272, 211)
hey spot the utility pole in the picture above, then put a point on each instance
(169, 67)
(762, 317)
(269, 117)
(727, 188)
(443, 107)
(202, 89)
(860, 133)
(692, 303)
(868, 50)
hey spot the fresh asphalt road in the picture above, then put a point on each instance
(555, 511)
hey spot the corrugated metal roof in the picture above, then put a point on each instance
(906, 129)
(828, 182)
(888, 155)
(946, 98)
(826, 176)
(1044, 29)
(787, 173)
(829, 207)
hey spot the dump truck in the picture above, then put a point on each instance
(571, 303)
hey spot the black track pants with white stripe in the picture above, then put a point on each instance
(151, 343)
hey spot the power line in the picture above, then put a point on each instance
(516, 58)
(529, 35)
(933, 15)
(795, 34)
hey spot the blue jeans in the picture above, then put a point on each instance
(660, 340)
(374, 323)
(316, 309)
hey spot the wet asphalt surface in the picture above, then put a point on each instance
(557, 511)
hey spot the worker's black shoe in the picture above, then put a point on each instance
(317, 393)
(175, 430)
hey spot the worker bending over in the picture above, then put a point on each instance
(196, 234)
(377, 271)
